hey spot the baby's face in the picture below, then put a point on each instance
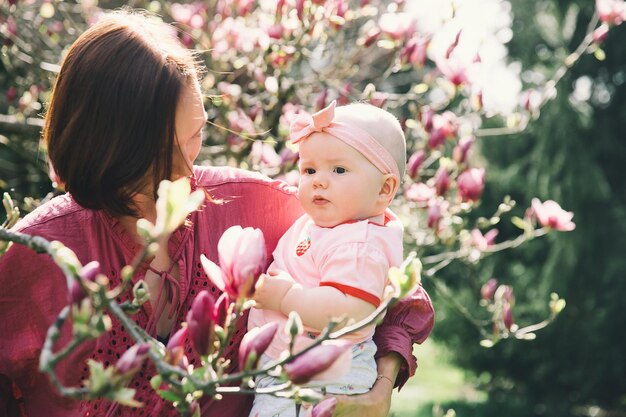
(337, 183)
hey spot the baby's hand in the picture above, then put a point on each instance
(271, 289)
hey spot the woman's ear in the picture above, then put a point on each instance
(388, 190)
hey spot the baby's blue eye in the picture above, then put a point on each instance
(340, 170)
(308, 171)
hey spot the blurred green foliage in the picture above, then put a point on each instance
(574, 153)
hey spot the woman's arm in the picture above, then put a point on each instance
(377, 401)
(408, 322)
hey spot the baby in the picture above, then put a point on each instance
(334, 260)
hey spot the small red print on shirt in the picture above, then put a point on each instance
(303, 246)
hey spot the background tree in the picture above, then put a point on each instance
(574, 152)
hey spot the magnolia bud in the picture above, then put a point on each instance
(200, 323)
(175, 349)
(471, 183)
(90, 271)
(507, 316)
(442, 181)
(325, 408)
(132, 359)
(254, 343)
(306, 366)
(488, 289)
(414, 164)
(294, 326)
(141, 293)
(221, 309)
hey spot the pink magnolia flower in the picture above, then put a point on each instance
(288, 156)
(471, 183)
(415, 162)
(175, 349)
(444, 126)
(88, 272)
(397, 25)
(300, 9)
(244, 7)
(324, 408)
(132, 359)
(310, 364)
(461, 150)
(276, 31)
(200, 321)
(221, 309)
(454, 44)
(488, 289)
(344, 94)
(414, 51)
(320, 100)
(436, 139)
(426, 118)
(482, 242)
(419, 192)
(507, 316)
(371, 36)
(434, 215)
(239, 121)
(442, 181)
(531, 100)
(454, 70)
(550, 214)
(612, 12)
(256, 341)
(11, 94)
(504, 293)
(242, 256)
(289, 113)
(264, 154)
(189, 14)
(379, 99)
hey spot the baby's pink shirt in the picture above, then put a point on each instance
(352, 257)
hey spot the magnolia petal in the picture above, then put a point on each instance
(227, 247)
(214, 272)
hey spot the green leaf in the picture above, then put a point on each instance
(99, 377)
(169, 395)
(188, 386)
(125, 396)
(155, 382)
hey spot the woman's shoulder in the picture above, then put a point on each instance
(216, 177)
(53, 214)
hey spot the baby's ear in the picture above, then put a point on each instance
(389, 188)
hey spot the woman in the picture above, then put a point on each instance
(127, 112)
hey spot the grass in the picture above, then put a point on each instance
(436, 382)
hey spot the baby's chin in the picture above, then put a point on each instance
(326, 224)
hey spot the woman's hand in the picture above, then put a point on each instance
(377, 401)
(374, 403)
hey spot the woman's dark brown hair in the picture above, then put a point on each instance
(110, 126)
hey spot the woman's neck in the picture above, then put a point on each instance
(146, 209)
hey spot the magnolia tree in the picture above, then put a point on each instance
(440, 67)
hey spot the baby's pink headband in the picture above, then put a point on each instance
(304, 125)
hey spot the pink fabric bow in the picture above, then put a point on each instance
(323, 121)
(305, 124)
